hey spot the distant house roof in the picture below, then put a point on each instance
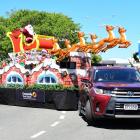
(120, 60)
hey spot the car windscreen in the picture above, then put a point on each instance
(116, 75)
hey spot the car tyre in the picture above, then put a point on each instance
(88, 112)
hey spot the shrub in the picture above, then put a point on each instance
(55, 87)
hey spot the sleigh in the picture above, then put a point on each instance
(39, 42)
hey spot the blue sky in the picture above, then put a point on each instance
(91, 14)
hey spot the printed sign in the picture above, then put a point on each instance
(38, 96)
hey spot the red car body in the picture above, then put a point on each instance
(110, 92)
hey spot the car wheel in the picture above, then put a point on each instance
(88, 112)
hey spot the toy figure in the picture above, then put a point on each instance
(121, 41)
(29, 33)
(92, 47)
(110, 38)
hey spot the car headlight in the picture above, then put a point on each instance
(108, 92)
(103, 91)
(99, 91)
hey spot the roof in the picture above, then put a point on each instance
(113, 67)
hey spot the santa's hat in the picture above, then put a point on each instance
(30, 29)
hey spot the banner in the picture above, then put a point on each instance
(30, 95)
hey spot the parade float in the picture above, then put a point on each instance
(41, 71)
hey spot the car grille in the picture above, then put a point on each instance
(128, 112)
(117, 103)
(130, 94)
(121, 98)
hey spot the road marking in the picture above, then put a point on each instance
(37, 134)
(63, 112)
(55, 123)
(62, 117)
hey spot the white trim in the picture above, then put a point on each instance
(81, 54)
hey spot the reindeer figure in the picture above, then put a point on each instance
(64, 53)
(74, 47)
(56, 49)
(81, 38)
(93, 38)
(67, 44)
(121, 41)
(80, 44)
(102, 44)
(111, 36)
(93, 45)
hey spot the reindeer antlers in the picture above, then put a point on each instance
(115, 26)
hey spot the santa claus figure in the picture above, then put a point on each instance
(29, 33)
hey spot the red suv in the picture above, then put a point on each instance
(110, 91)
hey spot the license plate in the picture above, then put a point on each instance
(130, 107)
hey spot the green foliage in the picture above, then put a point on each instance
(72, 88)
(95, 59)
(2, 86)
(55, 87)
(44, 23)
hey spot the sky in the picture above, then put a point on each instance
(91, 15)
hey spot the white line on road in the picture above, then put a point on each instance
(62, 117)
(63, 112)
(55, 123)
(37, 134)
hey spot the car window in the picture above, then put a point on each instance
(116, 75)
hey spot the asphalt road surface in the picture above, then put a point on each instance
(26, 123)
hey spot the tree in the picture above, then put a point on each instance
(95, 59)
(44, 23)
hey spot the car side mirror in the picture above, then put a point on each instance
(87, 82)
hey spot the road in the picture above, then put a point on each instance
(28, 123)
